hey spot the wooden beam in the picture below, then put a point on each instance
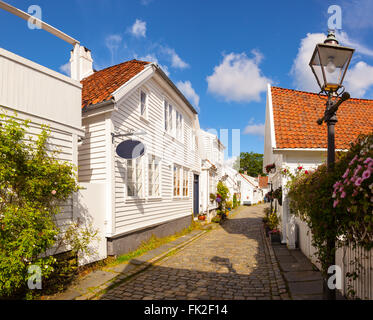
(45, 26)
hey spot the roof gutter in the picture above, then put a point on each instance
(99, 108)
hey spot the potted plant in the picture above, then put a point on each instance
(275, 236)
(202, 217)
(212, 197)
(229, 205)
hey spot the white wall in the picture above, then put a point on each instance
(44, 97)
(91, 206)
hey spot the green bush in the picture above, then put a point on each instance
(327, 201)
(33, 183)
(235, 204)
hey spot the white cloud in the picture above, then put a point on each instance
(301, 71)
(176, 61)
(139, 28)
(153, 58)
(359, 77)
(187, 89)
(238, 78)
(345, 40)
(254, 129)
(230, 162)
(66, 69)
(112, 42)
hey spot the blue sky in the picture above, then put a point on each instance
(221, 54)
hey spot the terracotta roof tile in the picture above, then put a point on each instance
(100, 86)
(263, 182)
(295, 114)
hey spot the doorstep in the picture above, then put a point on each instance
(99, 280)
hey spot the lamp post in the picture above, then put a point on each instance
(329, 64)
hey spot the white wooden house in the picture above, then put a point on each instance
(154, 194)
(44, 97)
(231, 179)
(294, 139)
(250, 191)
(212, 158)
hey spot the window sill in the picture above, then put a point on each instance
(144, 119)
(158, 198)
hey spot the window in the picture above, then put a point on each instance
(134, 178)
(179, 127)
(177, 176)
(166, 115)
(170, 119)
(153, 176)
(212, 184)
(185, 183)
(143, 103)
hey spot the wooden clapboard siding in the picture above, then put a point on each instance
(91, 153)
(134, 214)
(44, 97)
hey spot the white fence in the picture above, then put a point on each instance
(363, 285)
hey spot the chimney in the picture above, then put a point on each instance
(81, 63)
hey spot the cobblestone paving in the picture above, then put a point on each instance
(231, 262)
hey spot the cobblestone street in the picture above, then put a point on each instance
(230, 262)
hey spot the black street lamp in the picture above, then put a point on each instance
(329, 64)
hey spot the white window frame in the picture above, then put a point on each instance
(139, 162)
(179, 125)
(159, 162)
(186, 187)
(145, 115)
(182, 170)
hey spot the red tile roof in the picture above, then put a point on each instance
(100, 86)
(295, 114)
(263, 182)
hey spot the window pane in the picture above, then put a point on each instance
(170, 124)
(143, 103)
(165, 116)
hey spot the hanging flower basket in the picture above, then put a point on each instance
(271, 168)
(277, 194)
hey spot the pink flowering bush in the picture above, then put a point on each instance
(353, 192)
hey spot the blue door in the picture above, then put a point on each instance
(196, 195)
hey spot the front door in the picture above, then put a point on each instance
(196, 195)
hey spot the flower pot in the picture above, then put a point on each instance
(275, 237)
(202, 218)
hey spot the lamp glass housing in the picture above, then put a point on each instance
(329, 64)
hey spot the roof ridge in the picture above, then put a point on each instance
(117, 65)
(315, 94)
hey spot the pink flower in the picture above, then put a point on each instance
(300, 168)
(353, 160)
(54, 192)
(346, 174)
(358, 182)
(335, 203)
(343, 195)
(366, 174)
